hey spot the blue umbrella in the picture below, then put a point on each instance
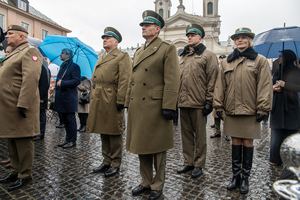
(84, 55)
(270, 42)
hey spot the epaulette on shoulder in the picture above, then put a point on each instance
(168, 42)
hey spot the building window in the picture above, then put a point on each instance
(44, 33)
(210, 8)
(161, 12)
(22, 5)
(2, 22)
(25, 25)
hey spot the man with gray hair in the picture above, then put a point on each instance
(66, 97)
(19, 104)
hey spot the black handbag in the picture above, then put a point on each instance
(84, 98)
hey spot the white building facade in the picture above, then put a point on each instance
(175, 26)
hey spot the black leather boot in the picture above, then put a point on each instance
(247, 165)
(236, 167)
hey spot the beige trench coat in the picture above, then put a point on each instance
(244, 87)
(83, 87)
(109, 85)
(154, 86)
(198, 78)
(19, 78)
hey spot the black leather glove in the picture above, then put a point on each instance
(260, 117)
(22, 112)
(120, 107)
(169, 114)
(207, 109)
(220, 114)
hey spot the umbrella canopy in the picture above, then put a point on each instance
(34, 41)
(269, 43)
(84, 55)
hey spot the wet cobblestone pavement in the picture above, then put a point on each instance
(67, 173)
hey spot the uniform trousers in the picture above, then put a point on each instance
(193, 134)
(218, 125)
(146, 170)
(21, 153)
(70, 125)
(112, 149)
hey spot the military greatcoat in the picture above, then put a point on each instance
(109, 85)
(19, 78)
(153, 86)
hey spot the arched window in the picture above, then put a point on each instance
(210, 8)
(161, 12)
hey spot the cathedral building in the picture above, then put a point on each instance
(175, 25)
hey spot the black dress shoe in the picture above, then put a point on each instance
(63, 144)
(9, 178)
(228, 138)
(111, 171)
(185, 169)
(139, 189)
(215, 135)
(60, 126)
(101, 168)
(212, 126)
(197, 171)
(69, 145)
(18, 184)
(155, 194)
(82, 129)
(38, 137)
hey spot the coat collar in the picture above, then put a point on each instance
(198, 49)
(149, 50)
(108, 57)
(249, 53)
(16, 50)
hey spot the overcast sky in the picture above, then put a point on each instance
(88, 18)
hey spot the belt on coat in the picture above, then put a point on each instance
(105, 85)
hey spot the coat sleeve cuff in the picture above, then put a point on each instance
(262, 112)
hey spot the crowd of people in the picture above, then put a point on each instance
(151, 86)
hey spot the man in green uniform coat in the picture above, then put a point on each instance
(151, 100)
(199, 70)
(20, 104)
(109, 85)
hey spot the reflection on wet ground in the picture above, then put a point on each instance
(67, 173)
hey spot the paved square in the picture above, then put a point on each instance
(67, 173)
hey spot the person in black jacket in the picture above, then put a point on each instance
(285, 114)
(44, 84)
